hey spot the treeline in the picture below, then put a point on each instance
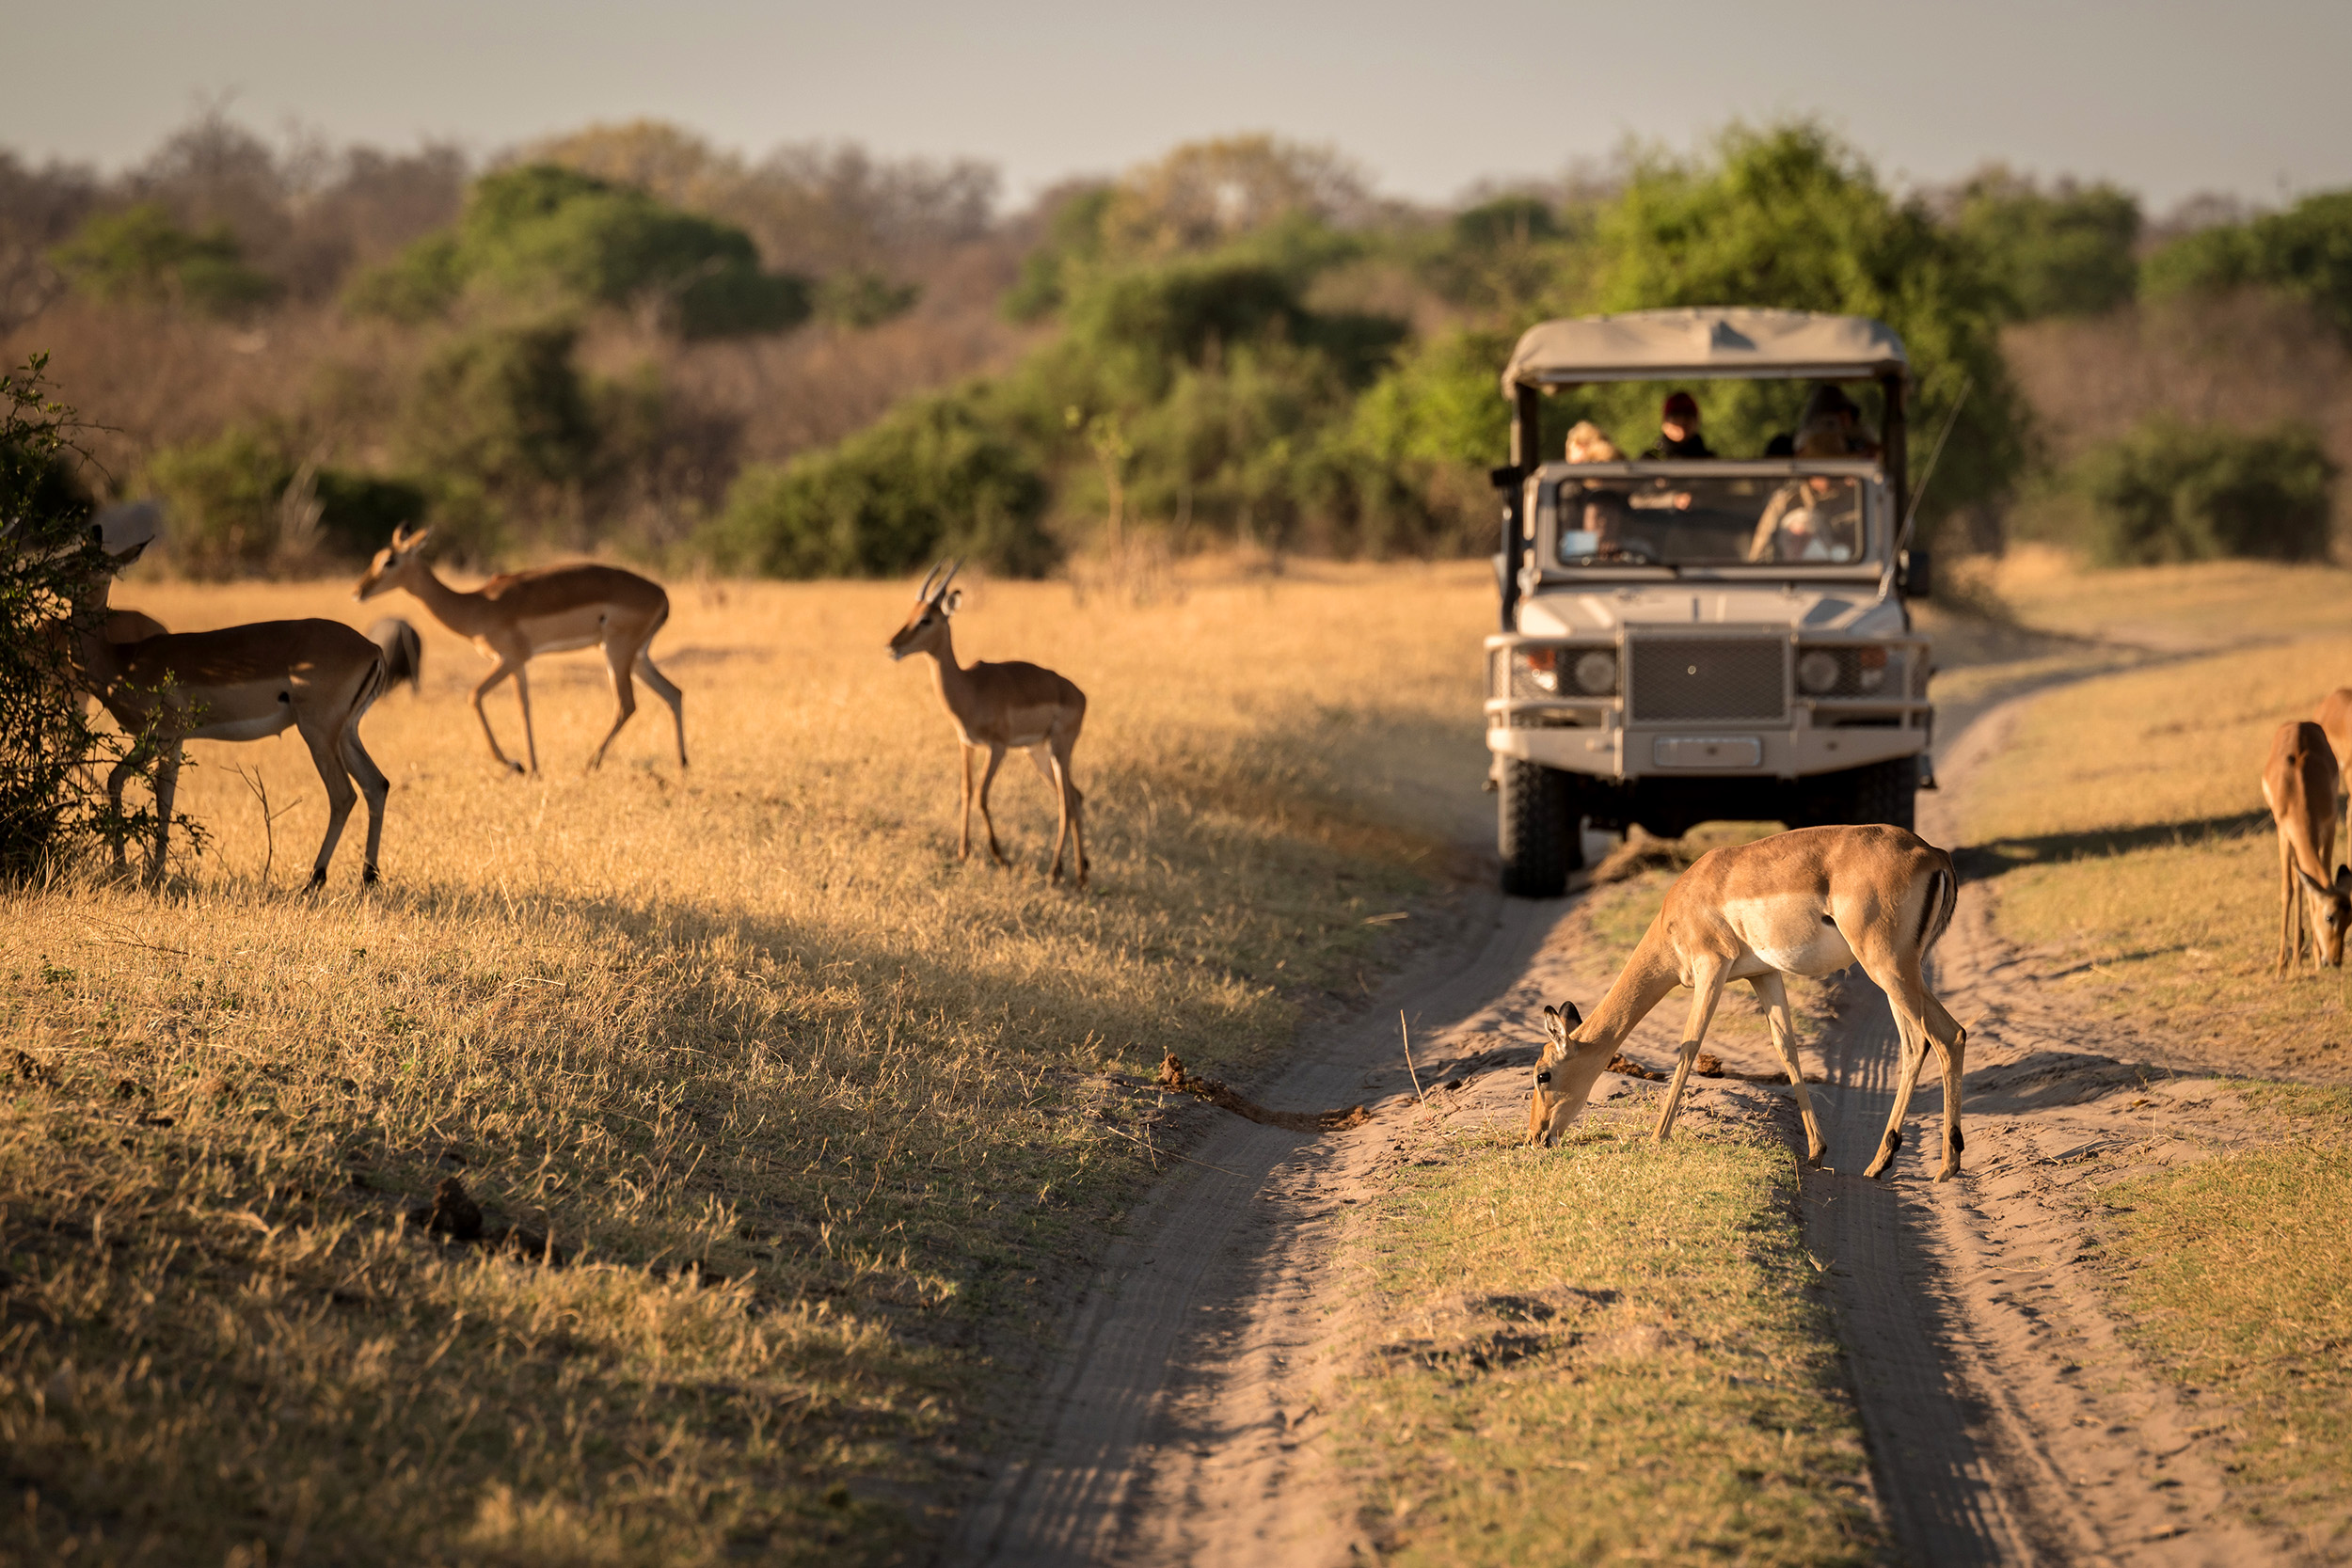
(820, 363)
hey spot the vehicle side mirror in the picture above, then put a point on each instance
(1914, 576)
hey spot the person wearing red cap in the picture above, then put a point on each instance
(1678, 430)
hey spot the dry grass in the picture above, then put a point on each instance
(1604, 1354)
(2126, 827)
(819, 1114)
(2170, 608)
(2238, 1272)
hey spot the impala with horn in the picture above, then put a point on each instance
(1807, 902)
(239, 683)
(553, 610)
(996, 707)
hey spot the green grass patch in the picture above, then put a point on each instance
(2236, 1276)
(1606, 1352)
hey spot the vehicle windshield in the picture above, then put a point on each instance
(1706, 521)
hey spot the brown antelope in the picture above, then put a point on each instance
(2335, 717)
(996, 707)
(239, 683)
(2300, 785)
(515, 617)
(1807, 902)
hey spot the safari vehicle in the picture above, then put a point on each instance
(1698, 638)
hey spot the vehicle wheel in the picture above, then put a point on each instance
(1534, 830)
(1883, 792)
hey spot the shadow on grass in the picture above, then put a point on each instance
(1982, 861)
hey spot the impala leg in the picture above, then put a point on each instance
(1706, 989)
(166, 786)
(530, 737)
(375, 787)
(1049, 768)
(987, 777)
(668, 693)
(1953, 1040)
(339, 797)
(963, 776)
(1773, 992)
(488, 685)
(616, 663)
(115, 781)
(1922, 1021)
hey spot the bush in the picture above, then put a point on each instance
(141, 254)
(358, 512)
(52, 804)
(505, 407)
(937, 476)
(2062, 252)
(862, 298)
(554, 237)
(223, 497)
(2173, 492)
(2305, 251)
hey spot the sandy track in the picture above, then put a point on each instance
(1170, 1431)
(2008, 1422)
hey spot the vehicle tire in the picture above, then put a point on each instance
(1883, 792)
(1534, 830)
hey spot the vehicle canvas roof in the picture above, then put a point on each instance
(1650, 345)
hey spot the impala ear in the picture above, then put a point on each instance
(2343, 879)
(952, 602)
(1560, 1020)
(2309, 880)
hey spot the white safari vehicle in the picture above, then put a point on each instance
(1703, 638)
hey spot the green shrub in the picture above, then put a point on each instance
(358, 512)
(141, 254)
(553, 236)
(862, 298)
(937, 476)
(223, 498)
(2306, 251)
(2171, 492)
(2066, 252)
(504, 407)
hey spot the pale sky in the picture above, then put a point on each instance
(2167, 98)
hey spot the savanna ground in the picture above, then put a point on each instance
(816, 1115)
(1608, 1352)
(820, 1119)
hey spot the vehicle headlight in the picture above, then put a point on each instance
(1871, 667)
(1597, 673)
(1817, 671)
(1541, 665)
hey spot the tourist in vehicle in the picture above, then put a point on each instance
(1829, 409)
(1588, 443)
(1816, 518)
(1602, 534)
(1678, 430)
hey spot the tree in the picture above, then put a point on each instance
(2066, 251)
(140, 253)
(1207, 193)
(1789, 217)
(2305, 251)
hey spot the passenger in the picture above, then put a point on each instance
(1817, 517)
(1606, 514)
(1678, 430)
(1830, 408)
(1588, 444)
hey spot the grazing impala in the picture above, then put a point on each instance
(2335, 717)
(239, 683)
(2300, 785)
(1000, 706)
(515, 617)
(1807, 902)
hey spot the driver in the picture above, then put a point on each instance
(1817, 517)
(1606, 514)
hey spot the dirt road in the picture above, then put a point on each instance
(2008, 1422)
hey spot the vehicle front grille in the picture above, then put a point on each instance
(1674, 679)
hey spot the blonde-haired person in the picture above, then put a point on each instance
(1588, 443)
(1818, 517)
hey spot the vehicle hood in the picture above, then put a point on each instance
(1602, 611)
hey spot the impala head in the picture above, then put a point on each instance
(1556, 1098)
(392, 563)
(927, 622)
(2331, 907)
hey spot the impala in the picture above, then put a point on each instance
(1807, 902)
(515, 617)
(996, 707)
(239, 683)
(2335, 717)
(2300, 785)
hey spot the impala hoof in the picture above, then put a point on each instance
(369, 875)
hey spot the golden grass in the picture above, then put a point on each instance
(2124, 827)
(820, 1115)
(2238, 1272)
(1604, 1354)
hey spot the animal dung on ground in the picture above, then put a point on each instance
(1174, 1078)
